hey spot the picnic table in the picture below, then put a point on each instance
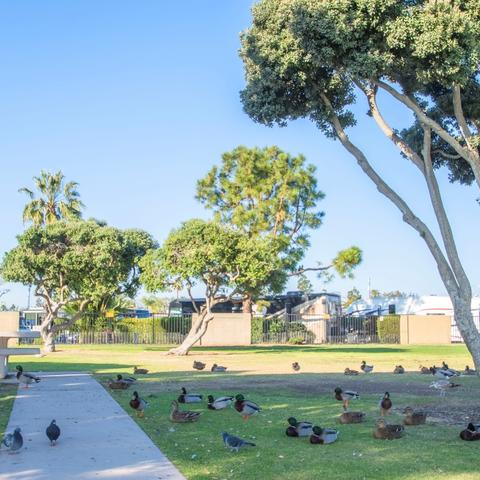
(5, 351)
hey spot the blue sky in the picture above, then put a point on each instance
(137, 100)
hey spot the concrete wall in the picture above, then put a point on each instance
(425, 329)
(228, 329)
(10, 321)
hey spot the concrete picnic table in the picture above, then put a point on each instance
(5, 351)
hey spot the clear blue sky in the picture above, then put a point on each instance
(137, 100)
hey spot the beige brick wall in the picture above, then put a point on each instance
(228, 329)
(425, 329)
(10, 322)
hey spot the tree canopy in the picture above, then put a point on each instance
(74, 264)
(304, 58)
(313, 59)
(268, 193)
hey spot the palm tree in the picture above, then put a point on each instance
(57, 200)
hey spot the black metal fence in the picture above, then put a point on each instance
(456, 335)
(317, 329)
(159, 329)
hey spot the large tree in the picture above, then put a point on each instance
(313, 58)
(55, 200)
(73, 264)
(224, 261)
(266, 192)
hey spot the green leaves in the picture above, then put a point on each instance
(58, 200)
(77, 260)
(212, 253)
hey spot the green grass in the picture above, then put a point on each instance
(264, 375)
(7, 396)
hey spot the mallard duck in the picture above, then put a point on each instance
(138, 404)
(218, 368)
(451, 371)
(130, 380)
(442, 373)
(118, 384)
(345, 396)
(414, 417)
(245, 407)
(304, 429)
(366, 368)
(13, 441)
(471, 433)
(349, 371)
(469, 371)
(185, 397)
(295, 366)
(351, 417)
(398, 370)
(139, 371)
(425, 370)
(385, 404)
(53, 432)
(220, 403)
(291, 432)
(199, 365)
(177, 416)
(386, 431)
(25, 378)
(323, 436)
(443, 386)
(235, 443)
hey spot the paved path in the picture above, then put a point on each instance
(98, 441)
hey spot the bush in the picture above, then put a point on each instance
(389, 329)
(296, 341)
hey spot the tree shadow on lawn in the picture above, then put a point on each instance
(67, 366)
(262, 349)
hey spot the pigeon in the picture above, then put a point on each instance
(24, 377)
(13, 441)
(345, 396)
(235, 443)
(53, 432)
(366, 368)
(296, 366)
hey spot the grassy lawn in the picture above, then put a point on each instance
(7, 396)
(263, 374)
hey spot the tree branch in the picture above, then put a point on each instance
(408, 216)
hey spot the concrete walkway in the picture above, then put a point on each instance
(98, 441)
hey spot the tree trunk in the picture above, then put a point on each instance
(462, 311)
(247, 304)
(197, 331)
(47, 333)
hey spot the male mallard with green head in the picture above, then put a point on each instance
(220, 403)
(246, 408)
(303, 429)
(323, 436)
(25, 377)
(185, 397)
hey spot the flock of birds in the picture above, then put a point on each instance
(14, 441)
(247, 408)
